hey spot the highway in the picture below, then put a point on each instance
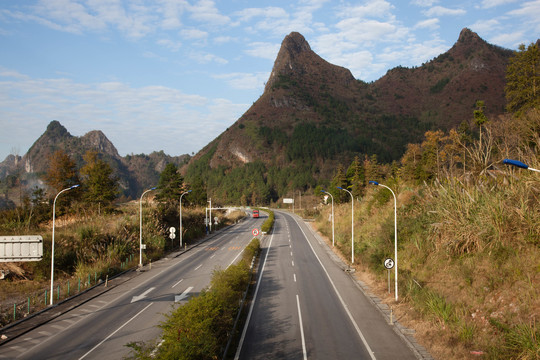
(306, 307)
(130, 312)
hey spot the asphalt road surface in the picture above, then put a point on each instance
(130, 312)
(307, 307)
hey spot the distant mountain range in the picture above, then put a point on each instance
(312, 116)
(135, 172)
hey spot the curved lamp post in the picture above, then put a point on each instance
(184, 193)
(52, 250)
(326, 192)
(395, 234)
(352, 223)
(518, 164)
(140, 225)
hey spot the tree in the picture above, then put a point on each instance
(339, 180)
(100, 186)
(62, 172)
(355, 175)
(372, 168)
(171, 185)
(523, 79)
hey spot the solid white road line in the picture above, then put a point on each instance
(236, 257)
(242, 338)
(339, 297)
(177, 283)
(117, 330)
(301, 327)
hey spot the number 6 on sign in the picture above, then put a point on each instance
(255, 232)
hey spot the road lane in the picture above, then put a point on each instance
(331, 318)
(100, 328)
(273, 331)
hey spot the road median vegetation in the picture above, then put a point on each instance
(268, 223)
(201, 328)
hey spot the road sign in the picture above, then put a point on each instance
(172, 236)
(255, 232)
(172, 230)
(21, 248)
(288, 201)
(389, 263)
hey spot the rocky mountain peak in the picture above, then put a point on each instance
(296, 59)
(96, 139)
(55, 130)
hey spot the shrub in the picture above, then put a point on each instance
(200, 329)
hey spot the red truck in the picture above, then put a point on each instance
(255, 213)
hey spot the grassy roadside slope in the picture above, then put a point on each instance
(468, 261)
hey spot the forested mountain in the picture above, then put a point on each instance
(314, 116)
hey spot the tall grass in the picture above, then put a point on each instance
(472, 246)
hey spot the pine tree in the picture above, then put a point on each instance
(100, 186)
(171, 185)
(523, 79)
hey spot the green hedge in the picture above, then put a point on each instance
(269, 223)
(200, 329)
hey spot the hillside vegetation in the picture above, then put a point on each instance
(468, 239)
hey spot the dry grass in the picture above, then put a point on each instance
(468, 257)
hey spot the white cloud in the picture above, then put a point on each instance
(248, 14)
(263, 50)
(486, 26)
(424, 3)
(194, 34)
(511, 39)
(223, 39)
(443, 11)
(172, 11)
(428, 24)
(132, 117)
(205, 11)
(245, 81)
(205, 58)
(376, 8)
(169, 44)
(486, 4)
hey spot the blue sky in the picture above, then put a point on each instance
(172, 75)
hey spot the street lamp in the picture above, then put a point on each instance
(52, 250)
(184, 193)
(395, 234)
(326, 192)
(140, 225)
(352, 223)
(518, 164)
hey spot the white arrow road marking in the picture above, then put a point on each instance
(178, 298)
(142, 296)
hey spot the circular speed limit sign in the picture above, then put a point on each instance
(389, 263)
(255, 232)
